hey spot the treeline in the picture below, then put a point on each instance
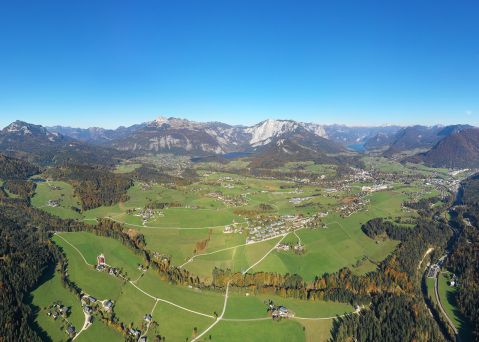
(11, 168)
(396, 274)
(146, 173)
(95, 186)
(25, 253)
(379, 227)
(389, 318)
(23, 188)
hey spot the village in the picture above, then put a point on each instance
(266, 228)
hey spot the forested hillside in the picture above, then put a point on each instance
(96, 186)
(464, 260)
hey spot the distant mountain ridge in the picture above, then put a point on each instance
(276, 140)
(412, 137)
(459, 149)
(202, 138)
(37, 144)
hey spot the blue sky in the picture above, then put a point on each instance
(110, 63)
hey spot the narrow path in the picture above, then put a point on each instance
(149, 323)
(299, 239)
(168, 302)
(86, 325)
(79, 252)
(272, 249)
(171, 228)
(218, 319)
(227, 249)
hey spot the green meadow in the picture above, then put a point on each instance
(448, 301)
(50, 291)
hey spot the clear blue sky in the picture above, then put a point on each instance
(110, 63)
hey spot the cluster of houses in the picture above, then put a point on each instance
(281, 226)
(147, 214)
(284, 247)
(137, 332)
(53, 203)
(229, 200)
(102, 266)
(233, 229)
(59, 311)
(354, 205)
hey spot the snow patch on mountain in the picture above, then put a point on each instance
(264, 132)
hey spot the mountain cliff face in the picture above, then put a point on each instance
(459, 149)
(198, 138)
(266, 131)
(182, 136)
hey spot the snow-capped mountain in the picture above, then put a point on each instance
(21, 128)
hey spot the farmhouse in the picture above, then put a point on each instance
(70, 330)
(281, 312)
(107, 305)
(134, 332)
(282, 247)
(100, 260)
(433, 270)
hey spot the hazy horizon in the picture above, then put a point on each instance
(116, 126)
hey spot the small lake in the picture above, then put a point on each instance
(357, 148)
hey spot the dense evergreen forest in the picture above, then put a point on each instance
(11, 168)
(464, 259)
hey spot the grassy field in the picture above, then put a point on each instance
(127, 167)
(56, 191)
(116, 255)
(192, 227)
(172, 312)
(100, 332)
(98, 284)
(177, 324)
(52, 291)
(257, 331)
(241, 306)
(448, 300)
(178, 232)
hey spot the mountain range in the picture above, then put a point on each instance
(269, 142)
